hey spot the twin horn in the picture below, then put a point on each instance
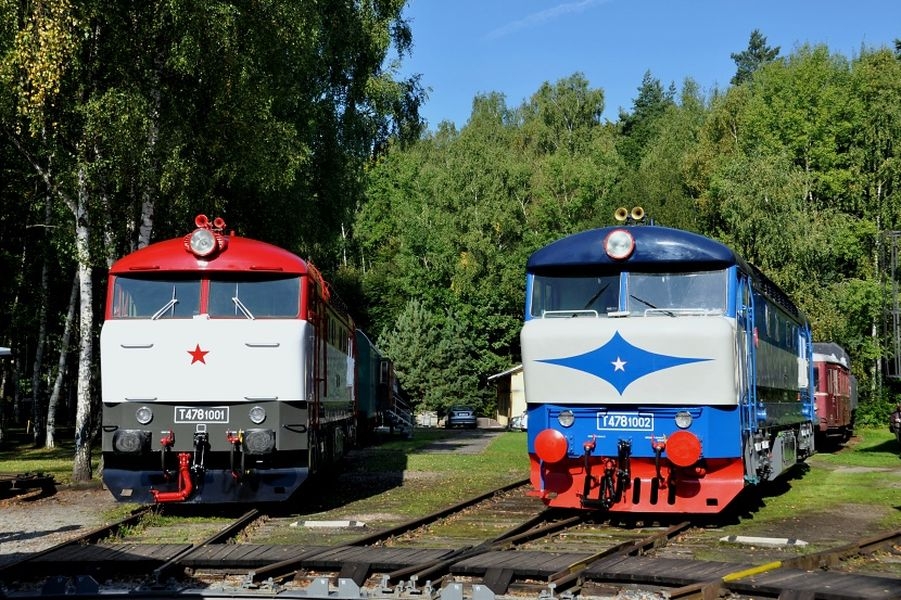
(621, 214)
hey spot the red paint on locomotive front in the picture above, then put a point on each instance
(696, 490)
(240, 255)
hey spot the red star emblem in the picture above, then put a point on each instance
(197, 354)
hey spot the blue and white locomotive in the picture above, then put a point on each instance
(663, 373)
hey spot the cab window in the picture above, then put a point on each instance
(668, 293)
(254, 298)
(574, 296)
(146, 298)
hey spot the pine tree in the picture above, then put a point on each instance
(755, 56)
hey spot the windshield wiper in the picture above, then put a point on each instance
(665, 311)
(242, 308)
(645, 302)
(596, 296)
(172, 302)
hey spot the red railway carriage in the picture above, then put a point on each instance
(228, 371)
(835, 392)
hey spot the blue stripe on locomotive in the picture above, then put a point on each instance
(718, 426)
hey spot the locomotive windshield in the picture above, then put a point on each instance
(254, 298)
(245, 298)
(569, 296)
(703, 291)
(143, 298)
(645, 294)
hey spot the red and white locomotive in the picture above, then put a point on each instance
(228, 371)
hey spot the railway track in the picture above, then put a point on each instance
(524, 553)
(12, 485)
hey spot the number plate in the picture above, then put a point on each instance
(625, 421)
(201, 414)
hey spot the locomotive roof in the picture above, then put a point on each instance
(241, 254)
(655, 247)
(830, 352)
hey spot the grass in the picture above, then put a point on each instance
(866, 473)
(433, 480)
(20, 457)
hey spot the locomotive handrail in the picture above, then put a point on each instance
(684, 312)
(568, 314)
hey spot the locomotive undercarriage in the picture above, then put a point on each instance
(627, 483)
(219, 462)
(250, 469)
(770, 452)
(203, 475)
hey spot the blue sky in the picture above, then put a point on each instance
(467, 47)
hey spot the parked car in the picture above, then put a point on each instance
(520, 422)
(461, 416)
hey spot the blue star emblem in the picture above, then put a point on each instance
(620, 363)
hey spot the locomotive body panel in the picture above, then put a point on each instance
(612, 361)
(205, 360)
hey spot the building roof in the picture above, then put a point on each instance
(509, 371)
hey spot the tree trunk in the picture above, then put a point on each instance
(50, 440)
(148, 196)
(3, 381)
(81, 468)
(18, 352)
(37, 413)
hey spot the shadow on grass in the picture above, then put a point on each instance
(370, 471)
(886, 447)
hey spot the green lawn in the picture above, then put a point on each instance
(20, 457)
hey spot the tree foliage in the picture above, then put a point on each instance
(795, 167)
(120, 121)
(749, 60)
(130, 118)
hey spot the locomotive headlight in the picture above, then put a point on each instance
(259, 441)
(131, 441)
(202, 242)
(566, 418)
(257, 415)
(144, 415)
(619, 244)
(683, 419)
